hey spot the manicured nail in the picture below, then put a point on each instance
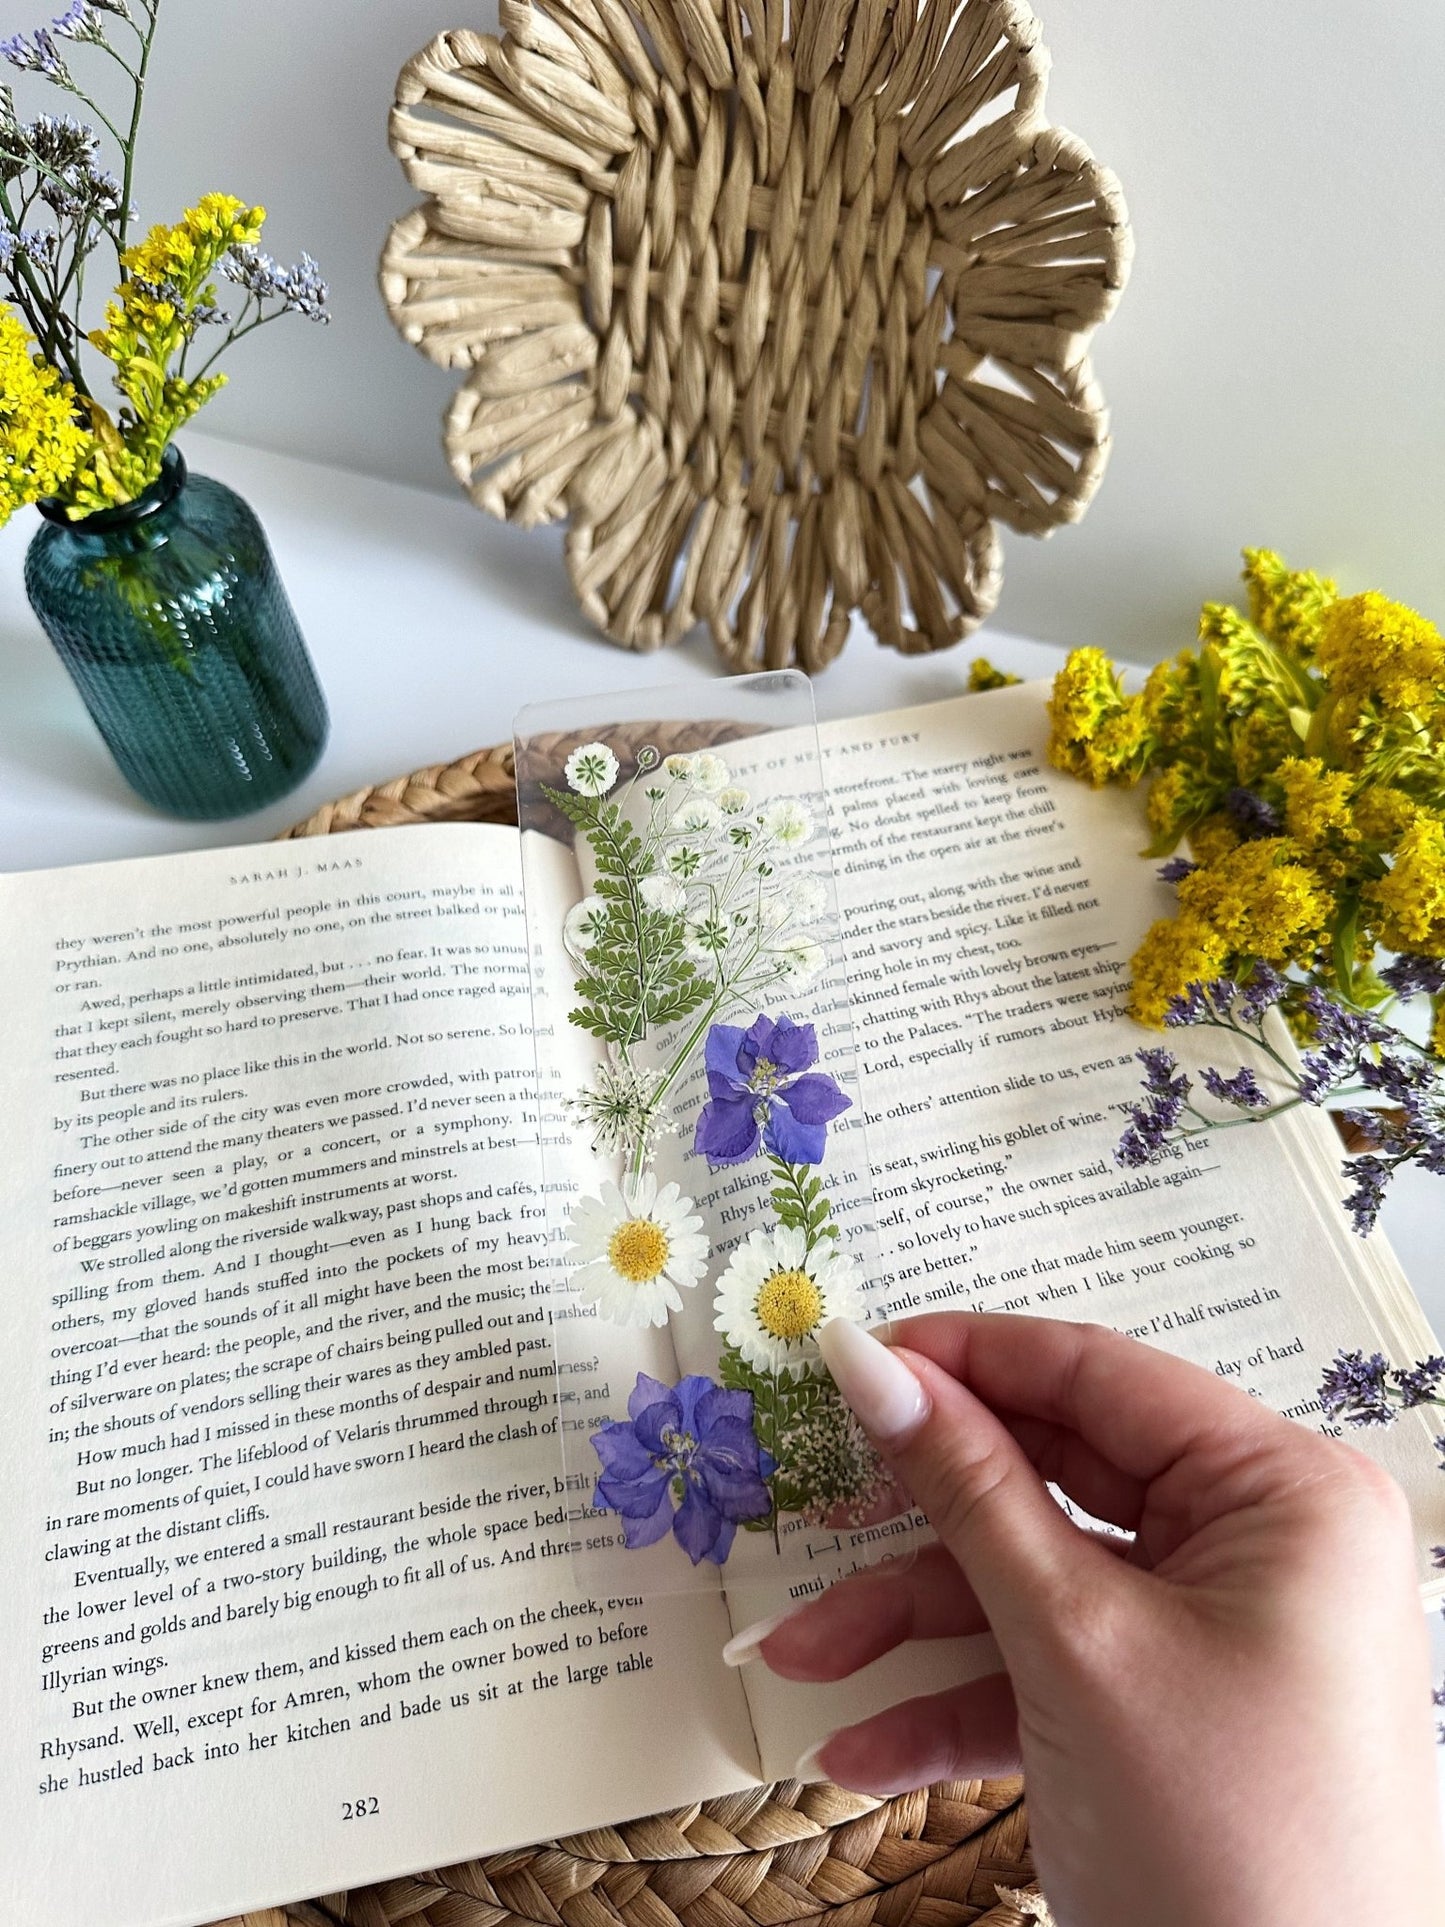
(744, 1646)
(810, 1768)
(886, 1396)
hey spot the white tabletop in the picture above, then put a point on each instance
(430, 626)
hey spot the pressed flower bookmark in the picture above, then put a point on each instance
(707, 1195)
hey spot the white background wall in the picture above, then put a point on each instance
(1274, 368)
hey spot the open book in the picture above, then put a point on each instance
(290, 1604)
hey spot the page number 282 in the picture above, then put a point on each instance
(362, 1809)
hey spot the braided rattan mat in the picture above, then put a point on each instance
(946, 1856)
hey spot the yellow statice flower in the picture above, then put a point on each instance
(1262, 899)
(982, 676)
(40, 438)
(1411, 897)
(1374, 650)
(1176, 952)
(1288, 605)
(1097, 732)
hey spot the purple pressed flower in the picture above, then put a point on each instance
(692, 1445)
(1410, 976)
(1191, 1008)
(1242, 1089)
(762, 1089)
(1370, 1175)
(1176, 869)
(1354, 1389)
(1165, 1089)
(1420, 1383)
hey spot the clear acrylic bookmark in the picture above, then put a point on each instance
(707, 1189)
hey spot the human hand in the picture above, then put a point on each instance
(1224, 1721)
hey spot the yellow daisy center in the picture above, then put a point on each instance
(789, 1305)
(638, 1250)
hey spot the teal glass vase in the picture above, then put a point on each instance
(170, 616)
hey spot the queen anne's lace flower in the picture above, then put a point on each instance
(781, 320)
(591, 769)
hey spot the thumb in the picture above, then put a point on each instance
(988, 1505)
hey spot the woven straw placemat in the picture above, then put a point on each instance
(946, 1856)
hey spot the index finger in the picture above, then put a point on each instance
(1141, 1409)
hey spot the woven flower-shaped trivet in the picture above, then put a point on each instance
(780, 306)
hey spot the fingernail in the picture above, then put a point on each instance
(744, 1646)
(810, 1767)
(886, 1396)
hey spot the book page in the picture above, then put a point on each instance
(990, 908)
(290, 1603)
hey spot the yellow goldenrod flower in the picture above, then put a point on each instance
(982, 675)
(1286, 604)
(40, 439)
(1383, 814)
(1176, 952)
(1179, 797)
(1317, 802)
(1411, 897)
(1373, 650)
(1213, 837)
(1262, 900)
(1097, 732)
(1171, 701)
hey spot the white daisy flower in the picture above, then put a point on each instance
(591, 770)
(634, 1248)
(662, 893)
(787, 822)
(710, 772)
(698, 815)
(582, 925)
(775, 1294)
(733, 800)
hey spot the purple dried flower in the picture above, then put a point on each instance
(299, 289)
(1191, 1008)
(1176, 869)
(1242, 1089)
(1166, 1088)
(1420, 1383)
(1410, 976)
(690, 1444)
(1263, 991)
(80, 21)
(763, 1090)
(37, 55)
(1353, 1388)
(1251, 815)
(1370, 1175)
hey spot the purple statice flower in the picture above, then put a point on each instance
(1411, 976)
(1261, 993)
(1354, 1389)
(1371, 1126)
(1421, 1383)
(762, 1089)
(36, 55)
(692, 1443)
(1370, 1176)
(1241, 1090)
(299, 289)
(1165, 1089)
(1437, 1558)
(1192, 1008)
(1176, 869)
(80, 21)
(1250, 814)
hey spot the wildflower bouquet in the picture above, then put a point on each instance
(1299, 753)
(700, 933)
(163, 330)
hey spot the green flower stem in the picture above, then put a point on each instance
(128, 144)
(45, 333)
